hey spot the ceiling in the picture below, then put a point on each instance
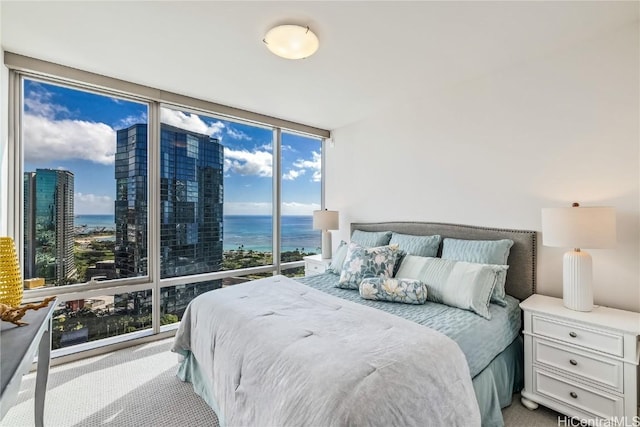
(372, 54)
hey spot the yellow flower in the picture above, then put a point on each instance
(367, 290)
(391, 287)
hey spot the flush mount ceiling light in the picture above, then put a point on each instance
(291, 41)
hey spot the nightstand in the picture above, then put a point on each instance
(582, 364)
(315, 264)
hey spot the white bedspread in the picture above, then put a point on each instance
(274, 352)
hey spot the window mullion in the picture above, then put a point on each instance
(15, 167)
(153, 206)
(277, 197)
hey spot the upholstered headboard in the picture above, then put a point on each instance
(521, 276)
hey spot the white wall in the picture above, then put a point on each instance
(495, 150)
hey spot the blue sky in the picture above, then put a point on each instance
(76, 131)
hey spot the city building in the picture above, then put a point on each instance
(191, 200)
(131, 201)
(48, 226)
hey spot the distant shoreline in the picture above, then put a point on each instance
(84, 239)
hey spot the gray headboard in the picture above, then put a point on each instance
(521, 276)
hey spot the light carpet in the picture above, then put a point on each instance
(137, 387)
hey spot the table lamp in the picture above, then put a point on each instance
(325, 220)
(578, 227)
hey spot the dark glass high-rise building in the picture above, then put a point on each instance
(48, 226)
(131, 201)
(191, 201)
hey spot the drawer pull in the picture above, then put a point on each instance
(573, 394)
(573, 334)
(573, 362)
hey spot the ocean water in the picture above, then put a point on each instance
(95, 221)
(256, 232)
(249, 231)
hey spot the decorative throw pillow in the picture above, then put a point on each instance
(480, 251)
(363, 262)
(370, 239)
(408, 291)
(417, 245)
(483, 252)
(459, 284)
(338, 258)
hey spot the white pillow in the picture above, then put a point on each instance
(459, 284)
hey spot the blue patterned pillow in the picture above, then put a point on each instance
(363, 262)
(459, 284)
(483, 252)
(408, 291)
(370, 239)
(338, 258)
(417, 245)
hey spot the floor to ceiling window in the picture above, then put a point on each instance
(127, 207)
(301, 194)
(81, 197)
(216, 209)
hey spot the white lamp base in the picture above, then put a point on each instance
(577, 281)
(326, 244)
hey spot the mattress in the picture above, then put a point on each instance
(480, 340)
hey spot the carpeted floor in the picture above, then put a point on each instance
(137, 387)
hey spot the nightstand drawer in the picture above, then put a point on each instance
(571, 333)
(600, 404)
(603, 370)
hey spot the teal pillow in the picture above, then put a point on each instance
(480, 251)
(459, 284)
(370, 239)
(338, 258)
(483, 252)
(361, 262)
(407, 291)
(417, 245)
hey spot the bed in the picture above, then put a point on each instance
(282, 352)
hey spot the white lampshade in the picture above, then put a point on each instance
(325, 220)
(579, 227)
(291, 41)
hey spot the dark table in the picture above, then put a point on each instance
(18, 345)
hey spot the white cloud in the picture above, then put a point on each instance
(38, 103)
(264, 208)
(190, 121)
(92, 204)
(243, 162)
(315, 164)
(238, 134)
(47, 139)
(247, 208)
(293, 174)
(131, 120)
(295, 208)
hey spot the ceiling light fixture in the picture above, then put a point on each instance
(291, 41)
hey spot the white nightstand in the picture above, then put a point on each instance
(315, 264)
(583, 364)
